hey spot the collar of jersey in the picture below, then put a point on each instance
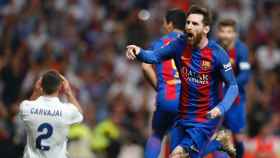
(50, 98)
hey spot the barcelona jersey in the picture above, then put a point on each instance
(201, 72)
(168, 81)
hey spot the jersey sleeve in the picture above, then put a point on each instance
(22, 110)
(152, 45)
(74, 115)
(243, 76)
(156, 56)
(225, 70)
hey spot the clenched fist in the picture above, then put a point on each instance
(132, 51)
(214, 113)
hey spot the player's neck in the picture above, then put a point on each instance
(203, 43)
(231, 45)
(55, 94)
(177, 30)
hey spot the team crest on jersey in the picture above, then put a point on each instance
(206, 64)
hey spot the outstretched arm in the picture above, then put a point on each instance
(158, 55)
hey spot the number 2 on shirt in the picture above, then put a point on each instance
(43, 135)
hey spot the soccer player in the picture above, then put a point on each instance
(235, 118)
(202, 65)
(165, 79)
(47, 119)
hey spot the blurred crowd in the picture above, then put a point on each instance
(85, 40)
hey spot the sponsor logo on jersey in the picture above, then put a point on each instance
(227, 66)
(195, 77)
(206, 64)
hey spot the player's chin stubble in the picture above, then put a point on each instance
(196, 39)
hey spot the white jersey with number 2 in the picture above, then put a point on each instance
(47, 122)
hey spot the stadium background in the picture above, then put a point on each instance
(86, 39)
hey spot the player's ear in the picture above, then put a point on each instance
(170, 24)
(206, 29)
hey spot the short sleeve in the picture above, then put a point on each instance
(74, 115)
(22, 110)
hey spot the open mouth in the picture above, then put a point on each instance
(190, 35)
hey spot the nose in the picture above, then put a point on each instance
(188, 26)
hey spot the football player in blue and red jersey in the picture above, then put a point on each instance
(164, 77)
(202, 65)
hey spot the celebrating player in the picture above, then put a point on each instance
(165, 79)
(202, 65)
(47, 119)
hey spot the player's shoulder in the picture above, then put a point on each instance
(69, 107)
(218, 52)
(166, 39)
(173, 36)
(216, 47)
(240, 45)
(26, 104)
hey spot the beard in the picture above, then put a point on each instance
(194, 39)
(225, 43)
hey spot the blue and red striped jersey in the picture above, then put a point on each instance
(168, 81)
(201, 72)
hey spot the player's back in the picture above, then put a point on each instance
(166, 70)
(169, 84)
(47, 121)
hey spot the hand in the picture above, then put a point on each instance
(66, 86)
(214, 113)
(37, 88)
(132, 51)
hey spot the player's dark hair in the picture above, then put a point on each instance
(177, 17)
(51, 81)
(228, 22)
(205, 12)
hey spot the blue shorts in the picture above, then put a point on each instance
(193, 139)
(163, 121)
(165, 115)
(235, 118)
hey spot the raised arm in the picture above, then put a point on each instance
(37, 90)
(158, 55)
(70, 95)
